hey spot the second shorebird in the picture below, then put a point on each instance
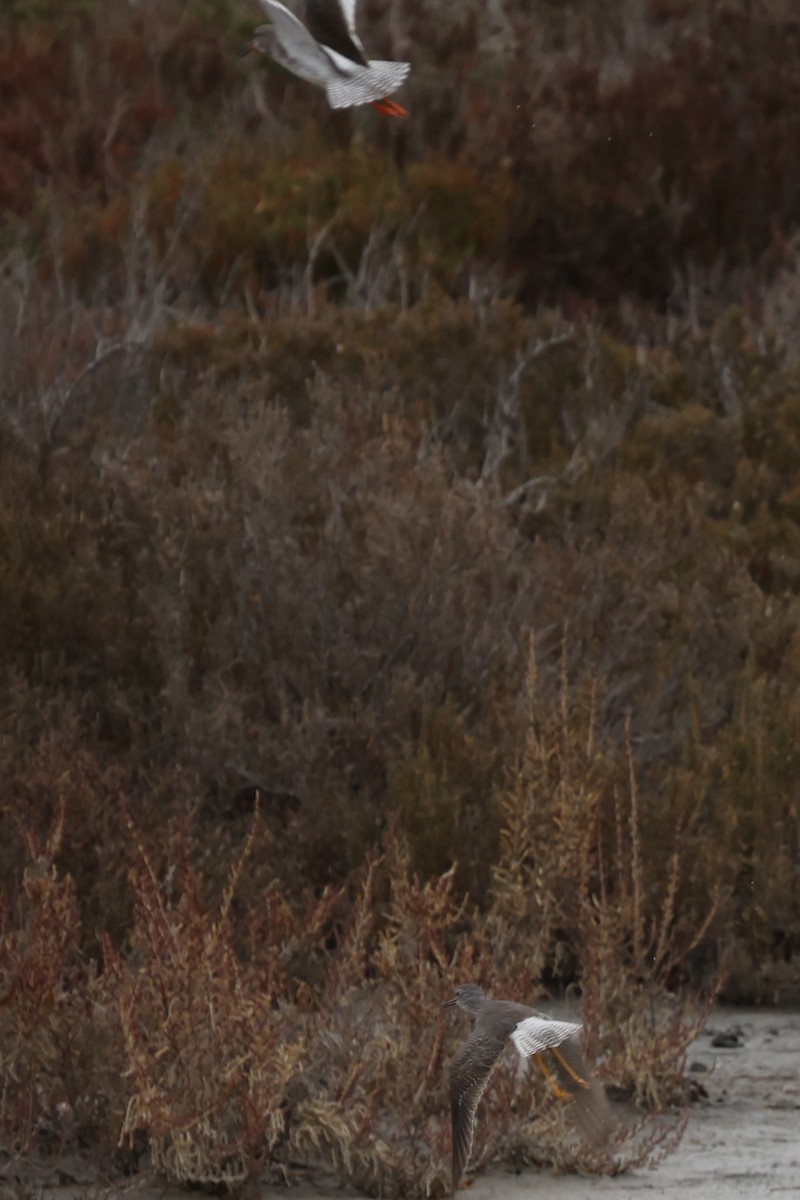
(329, 53)
(533, 1035)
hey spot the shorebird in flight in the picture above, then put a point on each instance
(328, 52)
(533, 1035)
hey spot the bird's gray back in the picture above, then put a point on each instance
(501, 1017)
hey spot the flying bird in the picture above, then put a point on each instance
(533, 1035)
(328, 52)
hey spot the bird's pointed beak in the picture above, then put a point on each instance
(250, 48)
(389, 108)
(449, 1003)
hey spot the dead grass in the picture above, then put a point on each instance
(227, 1065)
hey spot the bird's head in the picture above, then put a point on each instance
(469, 996)
(260, 43)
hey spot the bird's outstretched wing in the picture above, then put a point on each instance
(469, 1075)
(333, 24)
(297, 49)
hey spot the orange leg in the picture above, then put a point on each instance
(558, 1092)
(389, 108)
(572, 1074)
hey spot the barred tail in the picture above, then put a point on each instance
(366, 84)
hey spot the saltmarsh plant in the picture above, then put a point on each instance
(381, 1117)
(47, 991)
(84, 95)
(519, 154)
(242, 1040)
(210, 1042)
(606, 917)
(255, 541)
(305, 576)
(233, 1068)
(755, 842)
(278, 226)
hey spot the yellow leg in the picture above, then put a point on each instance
(572, 1073)
(548, 1074)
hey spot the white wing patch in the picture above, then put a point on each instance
(535, 1034)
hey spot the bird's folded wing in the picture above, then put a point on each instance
(365, 84)
(535, 1034)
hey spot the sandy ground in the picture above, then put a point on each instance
(742, 1142)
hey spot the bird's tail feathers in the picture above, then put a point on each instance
(589, 1105)
(367, 84)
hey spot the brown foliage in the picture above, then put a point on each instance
(295, 469)
(209, 1056)
(48, 1030)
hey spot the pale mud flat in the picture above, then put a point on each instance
(742, 1142)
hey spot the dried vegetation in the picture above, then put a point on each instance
(399, 566)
